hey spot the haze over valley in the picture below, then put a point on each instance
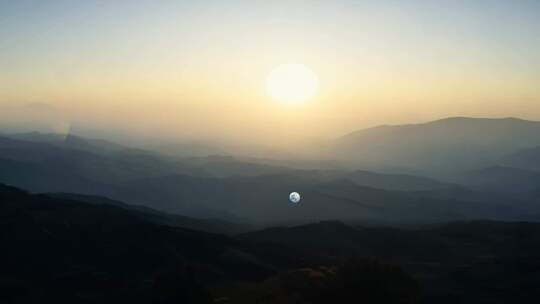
(451, 169)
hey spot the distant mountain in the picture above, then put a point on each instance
(207, 187)
(190, 149)
(242, 191)
(88, 160)
(528, 159)
(446, 145)
(401, 182)
(227, 166)
(43, 177)
(504, 179)
(72, 141)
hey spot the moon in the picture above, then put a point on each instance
(294, 197)
(292, 83)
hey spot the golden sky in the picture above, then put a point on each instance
(199, 68)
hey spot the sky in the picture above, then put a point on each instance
(197, 69)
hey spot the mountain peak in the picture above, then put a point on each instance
(462, 119)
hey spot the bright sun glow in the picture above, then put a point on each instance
(292, 83)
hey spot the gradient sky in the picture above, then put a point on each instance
(198, 68)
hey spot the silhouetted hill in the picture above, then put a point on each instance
(66, 251)
(429, 241)
(333, 240)
(59, 249)
(52, 218)
(355, 280)
(443, 145)
(460, 262)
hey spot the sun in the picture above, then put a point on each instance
(292, 83)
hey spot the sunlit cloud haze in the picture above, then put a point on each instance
(197, 69)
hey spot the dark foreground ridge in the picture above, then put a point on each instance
(56, 249)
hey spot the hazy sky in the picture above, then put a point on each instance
(198, 68)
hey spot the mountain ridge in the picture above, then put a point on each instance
(440, 148)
